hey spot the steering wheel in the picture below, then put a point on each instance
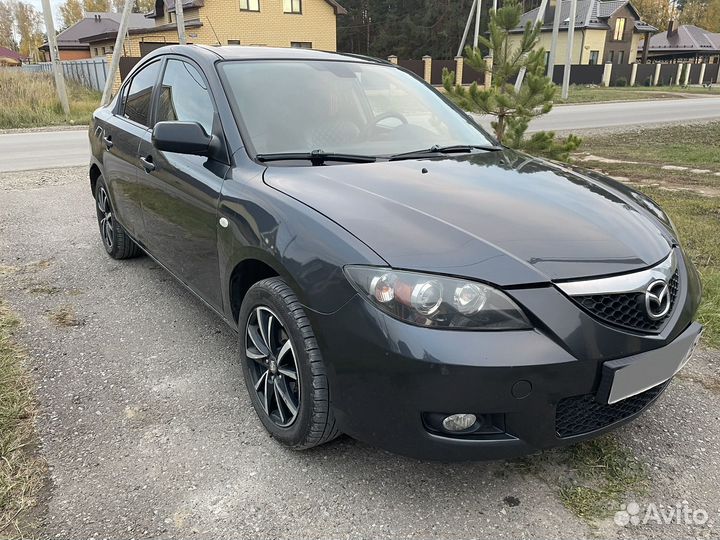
(384, 116)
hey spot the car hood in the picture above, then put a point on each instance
(500, 217)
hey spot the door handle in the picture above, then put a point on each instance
(148, 164)
(108, 142)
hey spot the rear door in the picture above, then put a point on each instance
(181, 191)
(121, 139)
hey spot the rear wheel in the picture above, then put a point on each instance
(116, 241)
(284, 371)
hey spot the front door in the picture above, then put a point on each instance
(180, 192)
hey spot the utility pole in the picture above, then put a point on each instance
(180, 19)
(554, 42)
(568, 61)
(467, 28)
(539, 18)
(117, 51)
(477, 24)
(494, 9)
(56, 65)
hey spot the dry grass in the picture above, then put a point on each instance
(30, 100)
(21, 473)
(66, 316)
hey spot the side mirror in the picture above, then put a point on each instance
(181, 137)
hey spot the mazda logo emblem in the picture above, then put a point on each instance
(657, 299)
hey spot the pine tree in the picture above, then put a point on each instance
(513, 110)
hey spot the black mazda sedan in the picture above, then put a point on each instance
(393, 272)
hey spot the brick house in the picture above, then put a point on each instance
(605, 31)
(78, 41)
(273, 23)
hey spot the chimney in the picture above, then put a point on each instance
(672, 27)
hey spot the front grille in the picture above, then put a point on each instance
(582, 414)
(627, 309)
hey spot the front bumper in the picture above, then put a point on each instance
(539, 388)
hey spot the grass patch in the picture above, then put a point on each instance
(697, 217)
(66, 316)
(694, 146)
(591, 478)
(589, 94)
(30, 100)
(20, 472)
(602, 473)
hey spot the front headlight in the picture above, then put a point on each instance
(437, 301)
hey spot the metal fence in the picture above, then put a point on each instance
(91, 73)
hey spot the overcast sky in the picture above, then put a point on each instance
(53, 3)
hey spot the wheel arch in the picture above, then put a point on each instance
(244, 275)
(95, 173)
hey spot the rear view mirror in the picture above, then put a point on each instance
(181, 137)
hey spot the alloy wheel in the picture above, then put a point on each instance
(273, 366)
(105, 217)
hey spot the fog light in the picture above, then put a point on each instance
(459, 422)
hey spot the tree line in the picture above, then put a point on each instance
(413, 28)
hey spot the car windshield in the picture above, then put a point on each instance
(347, 108)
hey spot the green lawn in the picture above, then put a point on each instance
(588, 94)
(696, 216)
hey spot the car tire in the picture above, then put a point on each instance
(115, 239)
(272, 305)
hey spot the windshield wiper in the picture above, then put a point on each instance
(317, 157)
(437, 149)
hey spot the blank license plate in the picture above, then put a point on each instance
(626, 377)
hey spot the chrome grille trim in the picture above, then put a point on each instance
(625, 283)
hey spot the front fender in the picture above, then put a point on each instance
(304, 247)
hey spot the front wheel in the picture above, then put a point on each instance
(283, 369)
(116, 241)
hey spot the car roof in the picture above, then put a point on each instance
(241, 52)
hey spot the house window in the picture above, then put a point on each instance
(619, 29)
(249, 5)
(292, 6)
(620, 57)
(233, 42)
(301, 44)
(594, 55)
(610, 57)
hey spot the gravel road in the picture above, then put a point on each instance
(147, 430)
